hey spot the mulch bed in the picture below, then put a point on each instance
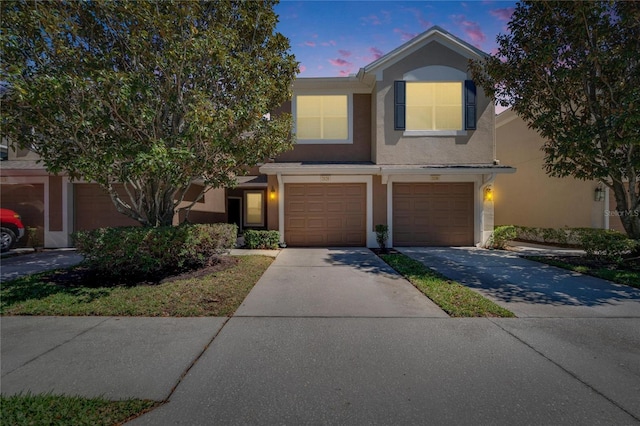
(82, 276)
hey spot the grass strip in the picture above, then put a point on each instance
(27, 409)
(454, 298)
(620, 276)
(218, 294)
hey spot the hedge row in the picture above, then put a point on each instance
(598, 243)
(149, 253)
(261, 239)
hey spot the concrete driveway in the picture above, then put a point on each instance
(527, 288)
(323, 282)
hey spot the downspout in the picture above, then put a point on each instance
(280, 207)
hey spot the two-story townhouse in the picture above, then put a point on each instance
(407, 142)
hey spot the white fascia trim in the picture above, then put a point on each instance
(366, 179)
(321, 169)
(419, 170)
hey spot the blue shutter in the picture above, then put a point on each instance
(469, 105)
(399, 114)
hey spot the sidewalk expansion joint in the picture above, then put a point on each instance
(57, 346)
(194, 362)
(569, 372)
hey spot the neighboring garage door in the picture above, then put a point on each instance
(433, 214)
(94, 209)
(325, 214)
(28, 201)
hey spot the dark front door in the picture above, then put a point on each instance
(234, 212)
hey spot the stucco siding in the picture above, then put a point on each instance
(393, 147)
(532, 198)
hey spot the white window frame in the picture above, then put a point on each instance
(438, 74)
(246, 209)
(294, 109)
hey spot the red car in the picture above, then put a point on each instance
(11, 227)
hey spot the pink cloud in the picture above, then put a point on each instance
(344, 53)
(371, 20)
(471, 29)
(339, 62)
(328, 43)
(376, 53)
(424, 23)
(310, 43)
(404, 36)
(503, 14)
(302, 69)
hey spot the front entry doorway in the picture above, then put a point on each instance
(234, 211)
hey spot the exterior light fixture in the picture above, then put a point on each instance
(599, 194)
(272, 193)
(488, 194)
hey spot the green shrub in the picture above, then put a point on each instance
(261, 239)
(135, 253)
(606, 244)
(382, 235)
(501, 235)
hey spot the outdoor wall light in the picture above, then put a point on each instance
(599, 194)
(272, 194)
(488, 194)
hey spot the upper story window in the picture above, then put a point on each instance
(434, 106)
(434, 101)
(322, 118)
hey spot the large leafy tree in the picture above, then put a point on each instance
(571, 70)
(153, 95)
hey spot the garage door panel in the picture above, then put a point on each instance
(94, 208)
(334, 214)
(432, 214)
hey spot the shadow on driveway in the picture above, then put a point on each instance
(529, 288)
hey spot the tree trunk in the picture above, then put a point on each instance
(627, 208)
(151, 204)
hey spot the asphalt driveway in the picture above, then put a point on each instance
(527, 288)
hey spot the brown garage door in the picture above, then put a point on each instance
(325, 214)
(28, 201)
(433, 214)
(94, 209)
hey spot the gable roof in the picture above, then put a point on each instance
(434, 33)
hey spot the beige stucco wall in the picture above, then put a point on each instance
(530, 197)
(392, 147)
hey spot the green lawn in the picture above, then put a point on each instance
(454, 298)
(64, 410)
(218, 294)
(620, 276)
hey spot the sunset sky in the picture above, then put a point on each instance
(336, 38)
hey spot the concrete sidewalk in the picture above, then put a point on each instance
(326, 365)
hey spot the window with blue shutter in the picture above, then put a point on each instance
(469, 105)
(399, 115)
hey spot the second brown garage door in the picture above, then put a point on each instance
(433, 214)
(325, 214)
(94, 209)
